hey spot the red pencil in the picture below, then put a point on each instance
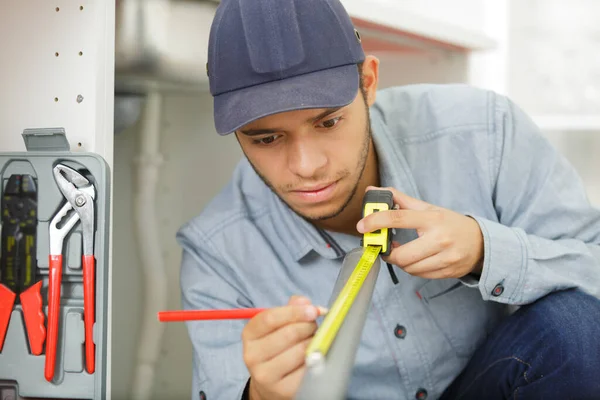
(198, 315)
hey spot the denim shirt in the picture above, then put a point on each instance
(455, 146)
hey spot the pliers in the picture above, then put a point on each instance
(18, 265)
(80, 194)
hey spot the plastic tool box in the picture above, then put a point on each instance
(27, 233)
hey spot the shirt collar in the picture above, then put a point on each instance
(299, 235)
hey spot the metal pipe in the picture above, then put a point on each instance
(147, 235)
(329, 381)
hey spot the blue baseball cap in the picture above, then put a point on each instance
(271, 56)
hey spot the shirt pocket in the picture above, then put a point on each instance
(460, 313)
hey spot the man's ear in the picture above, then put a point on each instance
(370, 77)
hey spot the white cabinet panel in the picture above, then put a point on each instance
(555, 62)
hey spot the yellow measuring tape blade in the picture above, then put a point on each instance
(326, 333)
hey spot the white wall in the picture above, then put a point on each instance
(465, 13)
(553, 73)
(554, 56)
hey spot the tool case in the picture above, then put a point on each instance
(25, 270)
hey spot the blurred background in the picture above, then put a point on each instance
(544, 54)
(168, 161)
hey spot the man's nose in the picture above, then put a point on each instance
(306, 158)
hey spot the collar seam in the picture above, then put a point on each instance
(439, 132)
(234, 218)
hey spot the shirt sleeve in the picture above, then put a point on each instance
(219, 371)
(547, 235)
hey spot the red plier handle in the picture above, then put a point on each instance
(7, 300)
(88, 310)
(54, 312)
(31, 302)
(55, 278)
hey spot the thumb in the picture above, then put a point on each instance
(403, 200)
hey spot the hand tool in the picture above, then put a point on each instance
(198, 315)
(18, 261)
(375, 243)
(79, 193)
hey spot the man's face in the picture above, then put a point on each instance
(312, 159)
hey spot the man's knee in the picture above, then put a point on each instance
(567, 324)
(547, 349)
(569, 311)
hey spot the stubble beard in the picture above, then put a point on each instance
(362, 162)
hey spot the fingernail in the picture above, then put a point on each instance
(360, 226)
(322, 310)
(311, 312)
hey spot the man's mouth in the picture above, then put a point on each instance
(316, 188)
(316, 193)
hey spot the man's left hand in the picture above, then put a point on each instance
(450, 245)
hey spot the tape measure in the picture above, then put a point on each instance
(374, 243)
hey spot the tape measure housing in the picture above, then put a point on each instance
(375, 201)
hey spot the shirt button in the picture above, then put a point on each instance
(400, 332)
(498, 290)
(202, 395)
(421, 394)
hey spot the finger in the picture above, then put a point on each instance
(270, 320)
(427, 265)
(442, 273)
(288, 361)
(403, 200)
(290, 384)
(408, 219)
(413, 251)
(298, 300)
(272, 345)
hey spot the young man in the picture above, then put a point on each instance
(490, 216)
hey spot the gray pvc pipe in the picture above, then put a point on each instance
(330, 380)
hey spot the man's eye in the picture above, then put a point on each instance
(266, 140)
(330, 123)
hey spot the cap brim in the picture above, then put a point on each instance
(334, 87)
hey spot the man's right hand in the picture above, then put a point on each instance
(275, 343)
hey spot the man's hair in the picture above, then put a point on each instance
(361, 82)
